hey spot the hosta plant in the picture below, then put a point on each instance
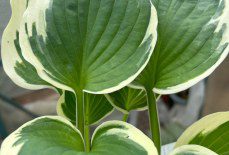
(89, 51)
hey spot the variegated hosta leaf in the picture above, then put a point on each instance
(55, 135)
(193, 37)
(128, 99)
(95, 45)
(211, 132)
(192, 150)
(96, 107)
(45, 135)
(16, 67)
(116, 137)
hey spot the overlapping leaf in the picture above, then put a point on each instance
(54, 135)
(192, 42)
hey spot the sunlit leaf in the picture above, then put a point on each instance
(211, 132)
(192, 150)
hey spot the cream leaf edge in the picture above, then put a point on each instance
(192, 148)
(204, 126)
(9, 53)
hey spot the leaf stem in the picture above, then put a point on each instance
(87, 138)
(125, 117)
(80, 111)
(153, 119)
(87, 126)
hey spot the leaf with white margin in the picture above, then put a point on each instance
(98, 46)
(15, 66)
(193, 38)
(117, 137)
(128, 99)
(45, 135)
(54, 135)
(96, 107)
(192, 150)
(211, 132)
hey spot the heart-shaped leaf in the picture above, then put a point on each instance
(96, 107)
(55, 135)
(16, 67)
(97, 46)
(192, 150)
(211, 132)
(192, 42)
(128, 99)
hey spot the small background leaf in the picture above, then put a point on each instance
(96, 107)
(128, 99)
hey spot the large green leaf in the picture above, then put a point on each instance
(97, 46)
(192, 42)
(211, 132)
(128, 99)
(55, 135)
(16, 67)
(96, 107)
(192, 150)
